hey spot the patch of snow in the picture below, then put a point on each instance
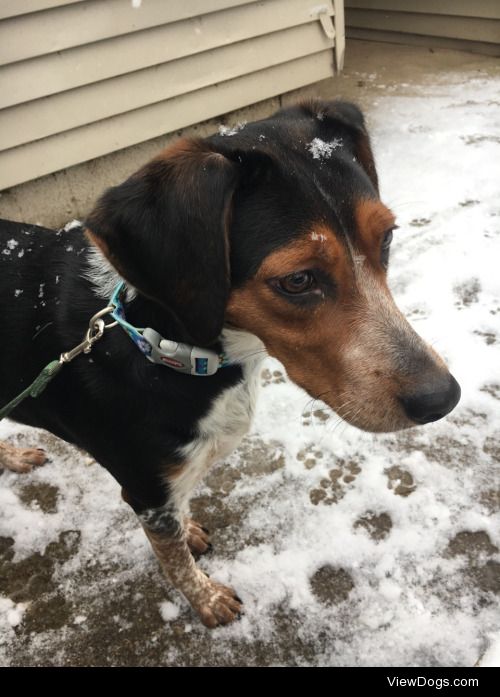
(11, 614)
(491, 658)
(321, 150)
(231, 130)
(169, 611)
(72, 225)
(317, 236)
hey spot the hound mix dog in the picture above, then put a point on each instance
(272, 239)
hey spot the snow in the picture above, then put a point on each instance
(320, 150)
(72, 225)
(11, 614)
(491, 658)
(401, 595)
(231, 130)
(169, 611)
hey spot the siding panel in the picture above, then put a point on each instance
(81, 144)
(90, 77)
(488, 9)
(10, 8)
(393, 37)
(456, 24)
(85, 22)
(62, 112)
(46, 75)
(466, 28)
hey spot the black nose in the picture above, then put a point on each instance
(434, 402)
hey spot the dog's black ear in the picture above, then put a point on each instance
(165, 231)
(346, 119)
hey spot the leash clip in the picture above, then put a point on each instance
(96, 330)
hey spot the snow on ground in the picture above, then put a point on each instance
(347, 548)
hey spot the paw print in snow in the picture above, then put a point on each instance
(309, 456)
(275, 377)
(334, 488)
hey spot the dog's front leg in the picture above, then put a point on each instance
(216, 604)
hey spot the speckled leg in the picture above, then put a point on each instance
(20, 459)
(216, 604)
(197, 537)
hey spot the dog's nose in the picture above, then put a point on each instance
(434, 402)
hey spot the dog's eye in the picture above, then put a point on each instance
(386, 242)
(297, 283)
(386, 245)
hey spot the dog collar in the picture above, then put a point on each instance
(183, 358)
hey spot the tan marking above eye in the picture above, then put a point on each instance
(373, 220)
(317, 247)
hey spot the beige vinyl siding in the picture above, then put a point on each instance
(63, 112)
(81, 65)
(93, 76)
(102, 137)
(472, 25)
(94, 20)
(11, 8)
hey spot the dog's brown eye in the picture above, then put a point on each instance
(387, 238)
(296, 283)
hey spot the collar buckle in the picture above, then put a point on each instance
(181, 357)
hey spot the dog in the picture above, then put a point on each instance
(267, 239)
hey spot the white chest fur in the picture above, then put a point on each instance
(229, 419)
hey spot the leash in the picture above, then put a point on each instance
(183, 358)
(96, 330)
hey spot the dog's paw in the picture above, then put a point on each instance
(217, 604)
(197, 537)
(21, 460)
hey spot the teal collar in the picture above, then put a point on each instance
(183, 358)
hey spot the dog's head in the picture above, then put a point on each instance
(278, 229)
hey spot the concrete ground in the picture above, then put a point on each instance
(124, 627)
